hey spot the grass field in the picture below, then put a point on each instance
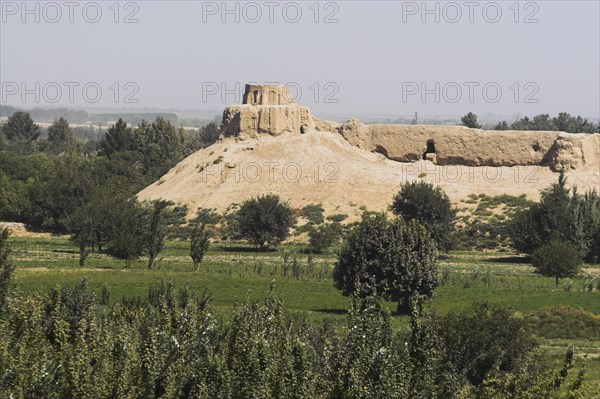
(233, 272)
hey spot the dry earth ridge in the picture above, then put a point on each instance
(270, 144)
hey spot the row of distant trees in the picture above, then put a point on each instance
(81, 116)
(21, 134)
(563, 122)
(44, 181)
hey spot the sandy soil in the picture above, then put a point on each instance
(323, 168)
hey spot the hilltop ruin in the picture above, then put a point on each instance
(270, 144)
(269, 109)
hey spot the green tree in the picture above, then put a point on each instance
(20, 126)
(586, 211)
(83, 229)
(561, 215)
(364, 365)
(501, 126)
(209, 134)
(7, 268)
(389, 258)
(198, 244)
(60, 136)
(478, 340)
(156, 229)
(124, 230)
(522, 124)
(161, 146)
(430, 206)
(265, 220)
(324, 236)
(470, 121)
(118, 138)
(57, 189)
(543, 122)
(557, 259)
(564, 122)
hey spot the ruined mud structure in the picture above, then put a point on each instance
(269, 109)
(266, 109)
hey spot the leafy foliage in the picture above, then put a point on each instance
(564, 321)
(324, 236)
(169, 345)
(265, 220)
(60, 136)
(389, 258)
(561, 215)
(557, 259)
(124, 230)
(198, 243)
(20, 128)
(119, 138)
(314, 213)
(209, 134)
(486, 339)
(564, 122)
(7, 268)
(430, 206)
(470, 121)
(155, 215)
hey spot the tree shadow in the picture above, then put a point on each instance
(509, 259)
(331, 311)
(246, 249)
(65, 251)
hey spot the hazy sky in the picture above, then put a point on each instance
(387, 58)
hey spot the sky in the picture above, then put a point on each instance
(360, 58)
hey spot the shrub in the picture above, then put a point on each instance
(198, 244)
(487, 337)
(565, 322)
(557, 259)
(7, 267)
(313, 213)
(324, 237)
(391, 258)
(561, 215)
(265, 220)
(470, 120)
(430, 206)
(124, 227)
(337, 218)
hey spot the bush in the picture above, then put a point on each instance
(7, 267)
(169, 344)
(561, 215)
(265, 220)
(391, 258)
(337, 218)
(313, 213)
(198, 244)
(324, 237)
(557, 259)
(430, 206)
(477, 341)
(124, 229)
(565, 322)
(470, 121)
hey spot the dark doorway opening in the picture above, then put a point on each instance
(430, 149)
(255, 93)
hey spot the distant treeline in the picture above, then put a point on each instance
(82, 116)
(564, 122)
